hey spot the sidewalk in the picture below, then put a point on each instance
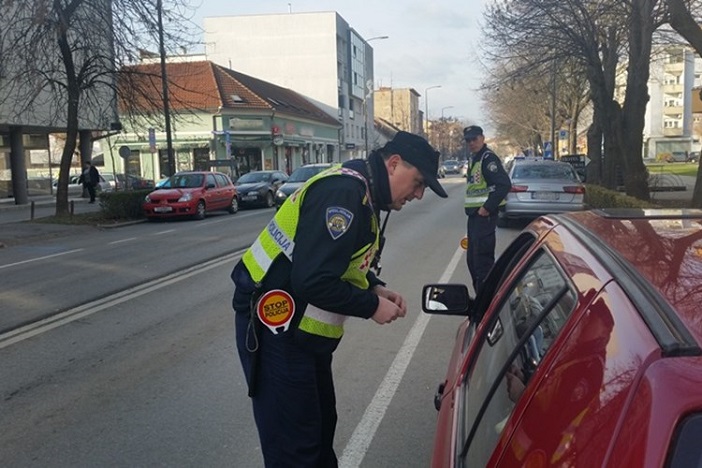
(16, 227)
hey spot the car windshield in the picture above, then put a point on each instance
(301, 174)
(253, 177)
(531, 172)
(185, 181)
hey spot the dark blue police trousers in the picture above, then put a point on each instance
(481, 247)
(294, 406)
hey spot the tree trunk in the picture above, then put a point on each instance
(73, 95)
(594, 152)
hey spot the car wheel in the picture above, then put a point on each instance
(200, 210)
(233, 206)
(269, 200)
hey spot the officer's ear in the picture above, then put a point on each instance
(392, 162)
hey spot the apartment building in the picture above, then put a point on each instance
(399, 107)
(318, 55)
(669, 131)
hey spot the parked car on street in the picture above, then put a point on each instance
(75, 188)
(583, 348)
(258, 188)
(541, 187)
(451, 166)
(298, 177)
(192, 194)
(133, 182)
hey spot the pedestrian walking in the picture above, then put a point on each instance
(90, 178)
(308, 271)
(486, 189)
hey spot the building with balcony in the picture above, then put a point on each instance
(669, 129)
(318, 55)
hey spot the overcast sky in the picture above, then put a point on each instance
(431, 43)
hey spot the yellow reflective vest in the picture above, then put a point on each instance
(477, 189)
(278, 238)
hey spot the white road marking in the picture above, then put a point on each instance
(39, 258)
(55, 321)
(123, 240)
(160, 233)
(362, 436)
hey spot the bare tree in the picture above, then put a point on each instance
(68, 56)
(597, 35)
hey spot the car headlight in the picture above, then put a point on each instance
(281, 195)
(253, 194)
(186, 197)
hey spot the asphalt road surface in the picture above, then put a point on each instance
(118, 346)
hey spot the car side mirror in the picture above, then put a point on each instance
(210, 185)
(447, 299)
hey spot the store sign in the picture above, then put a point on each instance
(243, 125)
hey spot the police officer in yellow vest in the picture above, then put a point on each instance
(486, 189)
(306, 273)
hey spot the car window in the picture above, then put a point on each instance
(518, 337)
(221, 181)
(301, 174)
(186, 181)
(253, 177)
(210, 180)
(530, 172)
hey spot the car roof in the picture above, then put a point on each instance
(659, 253)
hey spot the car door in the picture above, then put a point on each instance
(511, 341)
(212, 196)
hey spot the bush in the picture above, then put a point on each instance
(123, 205)
(600, 197)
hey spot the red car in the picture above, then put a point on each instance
(581, 350)
(192, 194)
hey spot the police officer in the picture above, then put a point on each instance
(486, 189)
(306, 273)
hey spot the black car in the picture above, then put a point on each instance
(258, 188)
(298, 177)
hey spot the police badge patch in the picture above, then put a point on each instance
(492, 167)
(338, 221)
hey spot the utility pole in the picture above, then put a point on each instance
(426, 108)
(368, 92)
(164, 86)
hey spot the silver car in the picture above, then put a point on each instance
(541, 187)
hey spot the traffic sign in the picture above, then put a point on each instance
(152, 140)
(548, 150)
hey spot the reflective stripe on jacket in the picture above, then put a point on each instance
(477, 189)
(278, 239)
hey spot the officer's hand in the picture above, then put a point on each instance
(382, 291)
(483, 212)
(387, 311)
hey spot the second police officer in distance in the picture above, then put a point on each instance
(486, 189)
(332, 225)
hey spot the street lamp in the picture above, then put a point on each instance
(426, 108)
(443, 109)
(368, 92)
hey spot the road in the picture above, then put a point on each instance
(127, 355)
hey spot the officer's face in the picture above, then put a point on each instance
(475, 143)
(406, 182)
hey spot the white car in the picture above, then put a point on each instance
(75, 189)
